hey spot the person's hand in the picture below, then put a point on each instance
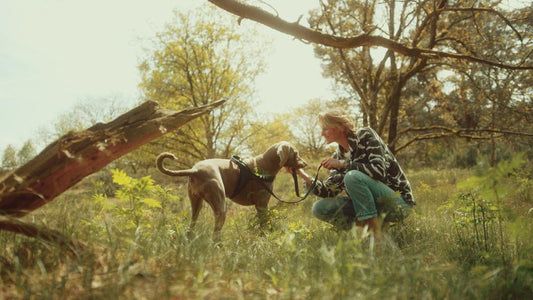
(332, 163)
(301, 173)
(290, 170)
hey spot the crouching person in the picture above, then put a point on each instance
(365, 180)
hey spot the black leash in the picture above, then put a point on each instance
(244, 178)
(312, 187)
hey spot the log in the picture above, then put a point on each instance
(76, 155)
(72, 246)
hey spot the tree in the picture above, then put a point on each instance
(306, 130)
(92, 110)
(200, 58)
(492, 98)
(265, 132)
(26, 153)
(420, 40)
(9, 158)
(477, 101)
(85, 113)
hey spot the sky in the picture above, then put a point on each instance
(56, 53)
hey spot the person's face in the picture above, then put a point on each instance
(333, 134)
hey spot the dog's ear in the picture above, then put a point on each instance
(284, 152)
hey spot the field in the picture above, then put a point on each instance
(464, 240)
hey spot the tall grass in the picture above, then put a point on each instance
(138, 249)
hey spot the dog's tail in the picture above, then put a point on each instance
(162, 169)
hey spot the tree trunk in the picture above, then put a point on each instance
(78, 154)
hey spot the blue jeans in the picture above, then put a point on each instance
(367, 198)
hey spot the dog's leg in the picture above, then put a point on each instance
(262, 216)
(217, 200)
(220, 218)
(262, 212)
(196, 206)
(219, 207)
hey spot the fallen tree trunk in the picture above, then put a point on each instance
(43, 233)
(76, 155)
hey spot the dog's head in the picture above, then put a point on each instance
(288, 156)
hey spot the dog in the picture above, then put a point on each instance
(212, 180)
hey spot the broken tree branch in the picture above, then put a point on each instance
(76, 155)
(245, 11)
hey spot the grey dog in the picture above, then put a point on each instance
(212, 180)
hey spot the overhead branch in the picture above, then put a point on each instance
(433, 136)
(437, 132)
(245, 11)
(448, 129)
(485, 10)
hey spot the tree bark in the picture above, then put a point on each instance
(76, 155)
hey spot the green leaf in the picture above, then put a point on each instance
(121, 178)
(150, 202)
(122, 195)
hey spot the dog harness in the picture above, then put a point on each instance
(246, 175)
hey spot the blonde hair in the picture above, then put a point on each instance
(336, 118)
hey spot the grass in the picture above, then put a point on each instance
(138, 250)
